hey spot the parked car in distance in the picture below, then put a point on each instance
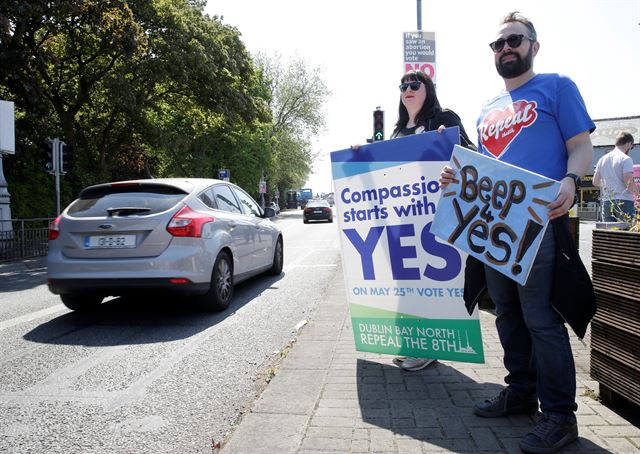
(329, 198)
(275, 207)
(317, 210)
(190, 237)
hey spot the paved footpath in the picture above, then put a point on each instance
(327, 397)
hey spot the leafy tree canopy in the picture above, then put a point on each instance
(147, 88)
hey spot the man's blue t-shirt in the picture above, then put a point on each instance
(528, 127)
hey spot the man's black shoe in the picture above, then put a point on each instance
(549, 436)
(505, 404)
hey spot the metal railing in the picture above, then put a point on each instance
(23, 238)
(589, 212)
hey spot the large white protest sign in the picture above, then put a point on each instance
(404, 286)
(496, 212)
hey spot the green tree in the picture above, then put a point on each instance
(52, 56)
(296, 93)
(148, 88)
(138, 88)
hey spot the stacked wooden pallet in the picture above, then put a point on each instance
(615, 330)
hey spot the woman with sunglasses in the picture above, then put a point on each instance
(420, 111)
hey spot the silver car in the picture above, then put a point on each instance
(187, 236)
(275, 207)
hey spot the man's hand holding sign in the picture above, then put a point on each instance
(494, 211)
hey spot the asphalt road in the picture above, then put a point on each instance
(147, 375)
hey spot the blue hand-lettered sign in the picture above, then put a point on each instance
(495, 211)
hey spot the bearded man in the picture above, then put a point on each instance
(539, 122)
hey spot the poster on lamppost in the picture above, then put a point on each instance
(404, 286)
(420, 52)
(495, 212)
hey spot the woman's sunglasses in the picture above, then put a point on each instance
(415, 86)
(513, 41)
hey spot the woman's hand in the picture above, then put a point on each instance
(447, 176)
(441, 128)
(355, 147)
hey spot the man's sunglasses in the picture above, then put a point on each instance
(415, 86)
(513, 41)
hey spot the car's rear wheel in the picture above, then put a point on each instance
(220, 291)
(81, 302)
(278, 259)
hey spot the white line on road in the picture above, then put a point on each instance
(293, 224)
(328, 265)
(32, 316)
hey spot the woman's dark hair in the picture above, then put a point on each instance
(429, 108)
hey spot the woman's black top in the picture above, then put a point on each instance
(445, 117)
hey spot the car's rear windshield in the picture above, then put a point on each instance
(318, 203)
(125, 200)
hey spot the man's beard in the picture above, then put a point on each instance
(516, 67)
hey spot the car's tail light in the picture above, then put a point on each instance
(54, 229)
(178, 280)
(187, 222)
(308, 210)
(327, 210)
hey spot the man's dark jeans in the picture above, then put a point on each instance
(618, 210)
(537, 352)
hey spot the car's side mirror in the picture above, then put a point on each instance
(269, 212)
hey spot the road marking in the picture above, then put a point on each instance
(293, 224)
(59, 385)
(138, 389)
(328, 265)
(31, 316)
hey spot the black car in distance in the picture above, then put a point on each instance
(317, 210)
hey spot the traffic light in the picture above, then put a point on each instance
(66, 154)
(378, 125)
(45, 148)
(51, 161)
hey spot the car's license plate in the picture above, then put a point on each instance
(110, 241)
(317, 211)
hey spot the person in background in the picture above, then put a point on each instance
(419, 111)
(539, 122)
(614, 174)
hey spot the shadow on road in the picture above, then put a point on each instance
(142, 319)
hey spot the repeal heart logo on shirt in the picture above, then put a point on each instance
(501, 126)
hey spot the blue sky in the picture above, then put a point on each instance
(359, 46)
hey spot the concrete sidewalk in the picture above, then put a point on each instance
(327, 397)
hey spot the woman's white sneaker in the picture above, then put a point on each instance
(413, 364)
